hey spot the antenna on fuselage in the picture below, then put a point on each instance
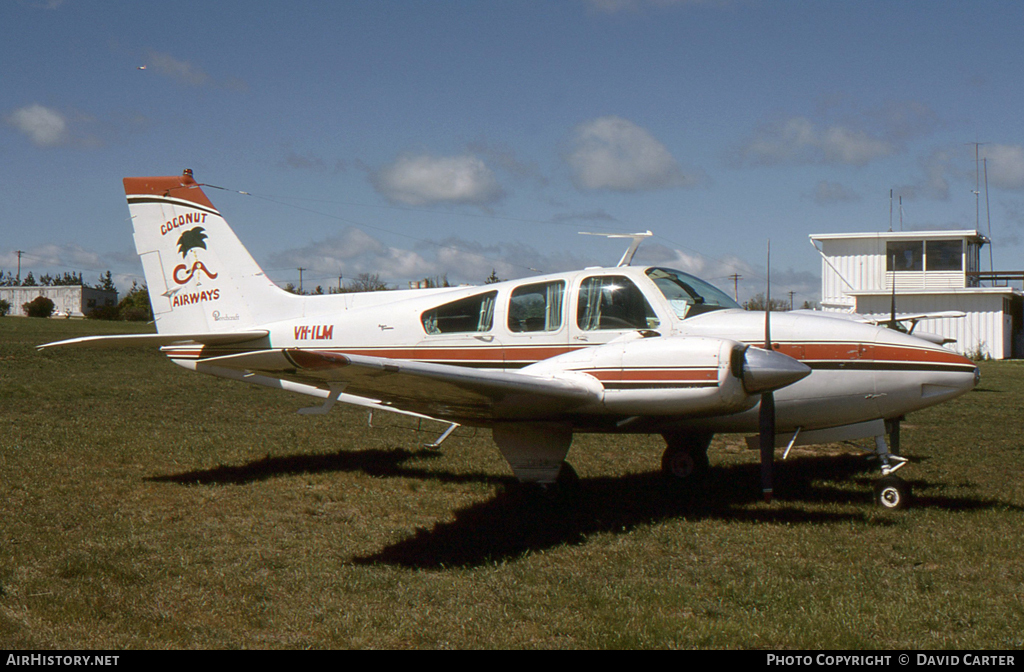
(638, 238)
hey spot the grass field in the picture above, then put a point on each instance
(145, 506)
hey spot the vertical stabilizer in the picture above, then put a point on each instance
(200, 276)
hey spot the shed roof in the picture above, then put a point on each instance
(969, 234)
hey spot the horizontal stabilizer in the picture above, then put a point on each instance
(119, 340)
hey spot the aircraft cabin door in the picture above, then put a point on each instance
(535, 323)
(462, 333)
(608, 306)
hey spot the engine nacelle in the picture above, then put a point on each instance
(671, 376)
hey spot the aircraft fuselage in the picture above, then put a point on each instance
(860, 372)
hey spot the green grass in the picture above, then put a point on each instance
(145, 506)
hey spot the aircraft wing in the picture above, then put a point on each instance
(454, 393)
(117, 340)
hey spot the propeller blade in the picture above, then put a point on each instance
(766, 417)
(766, 422)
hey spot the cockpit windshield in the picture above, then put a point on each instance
(687, 294)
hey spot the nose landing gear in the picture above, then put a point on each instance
(891, 492)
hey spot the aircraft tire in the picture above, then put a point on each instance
(684, 464)
(892, 493)
(562, 492)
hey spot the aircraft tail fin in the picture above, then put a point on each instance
(200, 277)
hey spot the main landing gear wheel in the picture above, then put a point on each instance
(563, 490)
(892, 493)
(686, 457)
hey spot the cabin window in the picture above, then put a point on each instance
(689, 295)
(924, 255)
(536, 307)
(903, 255)
(472, 314)
(613, 302)
(944, 255)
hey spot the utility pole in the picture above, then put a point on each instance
(791, 293)
(735, 277)
(300, 279)
(20, 252)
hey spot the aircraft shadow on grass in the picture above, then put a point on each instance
(374, 462)
(522, 519)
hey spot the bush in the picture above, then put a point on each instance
(103, 313)
(135, 307)
(38, 307)
(5, 307)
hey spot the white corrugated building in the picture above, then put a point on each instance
(68, 300)
(933, 271)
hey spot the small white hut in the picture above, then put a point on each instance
(932, 271)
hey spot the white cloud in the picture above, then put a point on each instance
(41, 125)
(311, 162)
(598, 215)
(712, 270)
(350, 254)
(937, 168)
(798, 140)
(182, 72)
(189, 74)
(462, 261)
(616, 154)
(828, 193)
(1005, 166)
(423, 180)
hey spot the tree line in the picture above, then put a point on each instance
(133, 307)
(106, 280)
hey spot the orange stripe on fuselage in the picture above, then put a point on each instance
(808, 352)
(852, 351)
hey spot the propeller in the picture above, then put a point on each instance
(766, 418)
(764, 371)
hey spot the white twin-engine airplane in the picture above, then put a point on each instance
(618, 350)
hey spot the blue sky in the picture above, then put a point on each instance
(417, 139)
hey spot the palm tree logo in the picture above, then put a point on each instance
(190, 240)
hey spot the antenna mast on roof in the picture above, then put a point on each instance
(977, 184)
(988, 218)
(890, 211)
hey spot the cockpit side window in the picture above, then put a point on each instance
(689, 295)
(472, 314)
(613, 302)
(536, 307)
